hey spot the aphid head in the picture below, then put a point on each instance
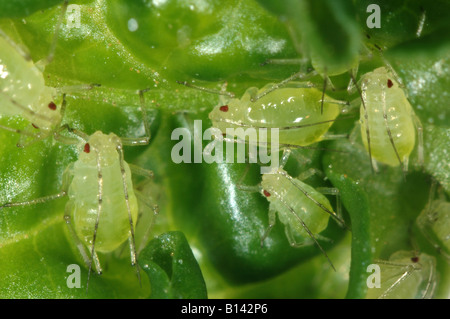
(222, 112)
(48, 115)
(100, 147)
(383, 76)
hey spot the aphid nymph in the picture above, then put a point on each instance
(388, 122)
(303, 210)
(294, 111)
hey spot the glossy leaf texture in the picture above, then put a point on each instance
(205, 218)
(172, 268)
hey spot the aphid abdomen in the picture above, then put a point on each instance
(20, 80)
(114, 225)
(284, 192)
(295, 112)
(390, 117)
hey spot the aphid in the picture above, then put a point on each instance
(23, 90)
(434, 222)
(388, 121)
(303, 210)
(405, 276)
(102, 208)
(295, 112)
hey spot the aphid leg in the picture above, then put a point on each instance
(272, 221)
(288, 153)
(326, 82)
(133, 252)
(285, 157)
(37, 136)
(140, 171)
(388, 130)
(81, 248)
(335, 192)
(308, 173)
(293, 242)
(351, 85)
(149, 202)
(99, 210)
(69, 140)
(421, 22)
(362, 94)
(132, 141)
(47, 60)
(420, 147)
(408, 272)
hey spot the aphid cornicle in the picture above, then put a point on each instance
(23, 90)
(388, 121)
(304, 210)
(405, 276)
(295, 112)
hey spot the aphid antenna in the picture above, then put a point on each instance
(18, 48)
(298, 75)
(207, 90)
(47, 60)
(99, 210)
(388, 130)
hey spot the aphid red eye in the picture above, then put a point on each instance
(415, 259)
(224, 108)
(52, 106)
(389, 83)
(87, 148)
(266, 193)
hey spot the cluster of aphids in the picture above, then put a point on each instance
(303, 114)
(99, 183)
(102, 207)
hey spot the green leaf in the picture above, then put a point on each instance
(23, 8)
(172, 268)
